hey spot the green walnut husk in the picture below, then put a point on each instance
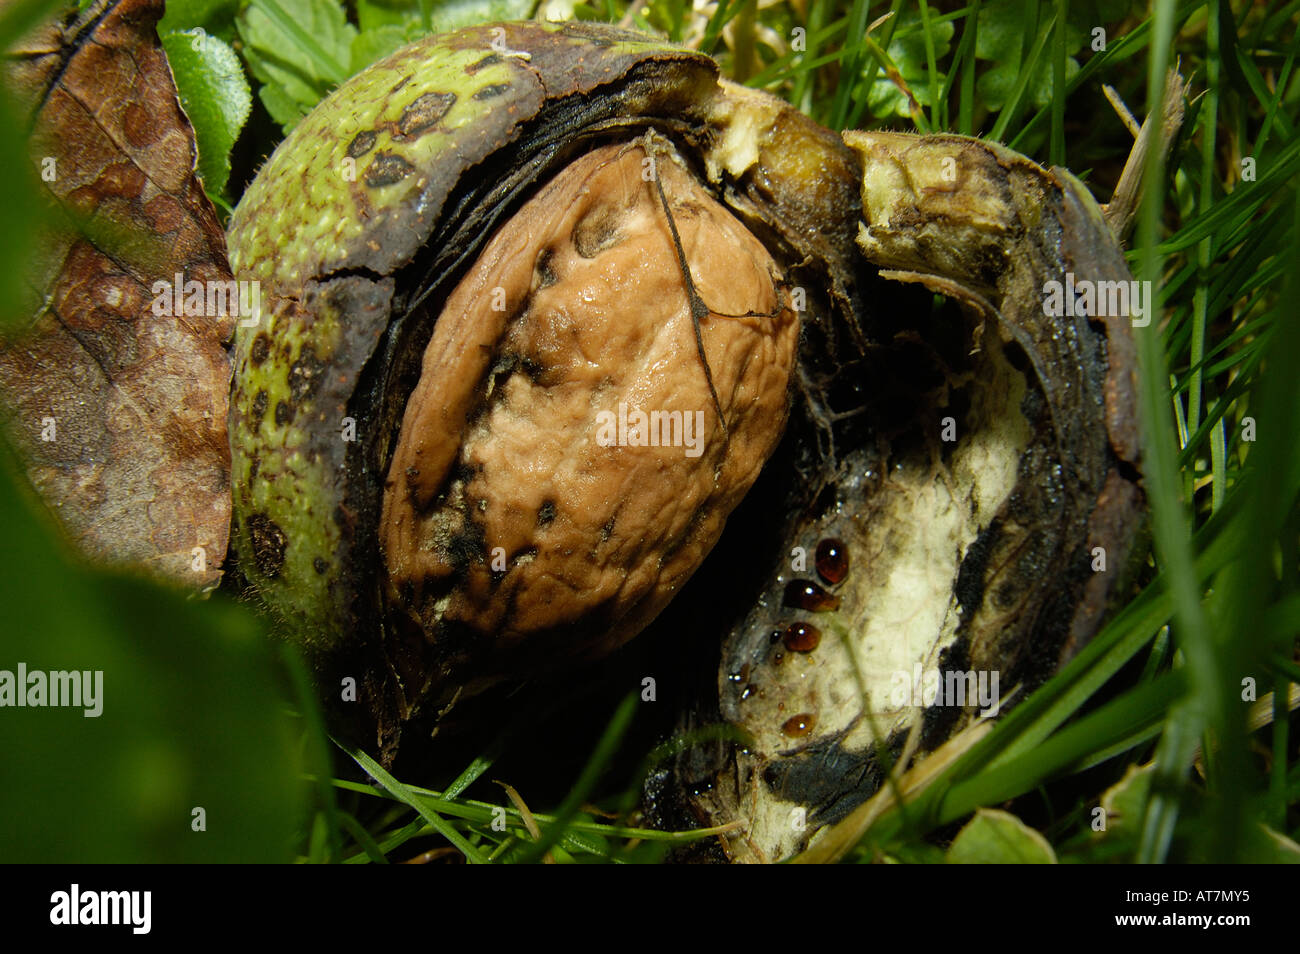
(972, 456)
(362, 221)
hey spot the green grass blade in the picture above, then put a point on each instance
(403, 793)
(326, 65)
(600, 757)
(1098, 732)
(1056, 150)
(1011, 111)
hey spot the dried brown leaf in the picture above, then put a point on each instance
(120, 413)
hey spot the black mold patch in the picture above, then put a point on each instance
(424, 112)
(829, 780)
(362, 143)
(464, 548)
(546, 276)
(305, 374)
(387, 169)
(490, 60)
(534, 369)
(939, 721)
(283, 413)
(261, 348)
(269, 543)
(259, 408)
(595, 233)
(546, 513)
(493, 91)
(969, 588)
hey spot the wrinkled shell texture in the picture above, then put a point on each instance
(347, 202)
(591, 322)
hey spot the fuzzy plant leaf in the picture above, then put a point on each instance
(376, 43)
(299, 50)
(215, 96)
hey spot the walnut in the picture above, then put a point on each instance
(561, 468)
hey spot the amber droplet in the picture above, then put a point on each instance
(800, 725)
(801, 637)
(832, 560)
(803, 594)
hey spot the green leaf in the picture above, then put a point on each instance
(1001, 35)
(1001, 38)
(375, 44)
(454, 14)
(994, 86)
(1125, 801)
(443, 16)
(283, 108)
(372, 14)
(298, 49)
(999, 838)
(216, 98)
(907, 51)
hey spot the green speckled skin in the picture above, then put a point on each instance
(411, 124)
(289, 461)
(346, 203)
